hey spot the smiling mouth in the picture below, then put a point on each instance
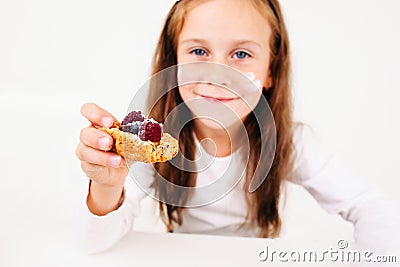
(218, 99)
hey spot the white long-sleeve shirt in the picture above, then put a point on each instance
(376, 220)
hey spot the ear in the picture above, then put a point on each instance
(268, 82)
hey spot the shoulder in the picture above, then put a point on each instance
(305, 142)
(309, 155)
(302, 133)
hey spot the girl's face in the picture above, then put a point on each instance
(229, 32)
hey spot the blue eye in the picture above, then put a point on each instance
(199, 52)
(241, 55)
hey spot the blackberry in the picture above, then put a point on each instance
(131, 127)
(150, 130)
(133, 116)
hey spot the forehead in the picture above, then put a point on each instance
(224, 19)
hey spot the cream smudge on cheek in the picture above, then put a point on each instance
(257, 83)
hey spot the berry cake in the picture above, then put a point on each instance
(141, 139)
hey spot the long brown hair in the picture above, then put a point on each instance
(263, 204)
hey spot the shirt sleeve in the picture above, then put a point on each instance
(99, 233)
(375, 218)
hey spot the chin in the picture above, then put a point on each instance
(210, 124)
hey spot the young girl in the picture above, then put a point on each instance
(249, 36)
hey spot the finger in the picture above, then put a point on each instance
(93, 170)
(96, 115)
(94, 156)
(96, 139)
(97, 173)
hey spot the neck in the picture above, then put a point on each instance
(221, 143)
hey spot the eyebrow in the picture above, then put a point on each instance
(237, 42)
(194, 40)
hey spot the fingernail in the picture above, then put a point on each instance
(115, 161)
(107, 121)
(104, 143)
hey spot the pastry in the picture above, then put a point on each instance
(140, 139)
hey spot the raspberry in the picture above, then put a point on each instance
(150, 130)
(133, 116)
(131, 127)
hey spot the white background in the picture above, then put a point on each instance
(57, 55)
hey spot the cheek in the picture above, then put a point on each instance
(242, 110)
(246, 105)
(262, 76)
(261, 70)
(257, 73)
(186, 92)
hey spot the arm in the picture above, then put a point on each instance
(375, 218)
(97, 233)
(107, 210)
(105, 169)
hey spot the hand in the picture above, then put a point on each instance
(98, 163)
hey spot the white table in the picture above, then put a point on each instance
(161, 249)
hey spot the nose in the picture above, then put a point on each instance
(218, 70)
(220, 59)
